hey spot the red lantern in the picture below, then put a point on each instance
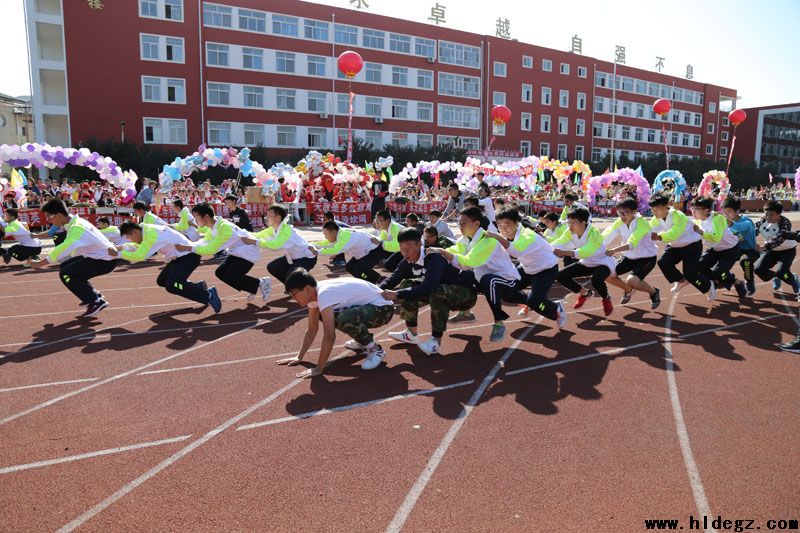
(737, 117)
(350, 63)
(662, 106)
(500, 114)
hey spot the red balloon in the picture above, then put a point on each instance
(501, 114)
(737, 117)
(662, 106)
(350, 63)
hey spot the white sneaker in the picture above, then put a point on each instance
(353, 345)
(405, 336)
(678, 285)
(430, 346)
(374, 358)
(712, 292)
(561, 319)
(265, 284)
(523, 311)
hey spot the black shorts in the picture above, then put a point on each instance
(638, 267)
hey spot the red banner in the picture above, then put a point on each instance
(34, 218)
(419, 208)
(347, 212)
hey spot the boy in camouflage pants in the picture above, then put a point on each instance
(427, 278)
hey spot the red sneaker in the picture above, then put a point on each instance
(582, 299)
(608, 307)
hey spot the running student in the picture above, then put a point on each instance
(241, 257)
(142, 210)
(745, 231)
(111, 232)
(538, 266)
(280, 235)
(553, 227)
(590, 252)
(778, 250)
(353, 306)
(427, 278)
(364, 253)
(486, 224)
(435, 221)
(388, 238)
(495, 274)
(146, 240)
(792, 346)
(717, 261)
(674, 228)
(639, 253)
(186, 223)
(83, 255)
(27, 247)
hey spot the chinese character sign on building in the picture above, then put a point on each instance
(619, 55)
(659, 63)
(503, 28)
(577, 45)
(437, 14)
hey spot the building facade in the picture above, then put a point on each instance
(231, 72)
(16, 122)
(771, 137)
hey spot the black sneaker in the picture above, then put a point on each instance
(94, 308)
(6, 256)
(626, 298)
(793, 347)
(751, 288)
(741, 290)
(655, 299)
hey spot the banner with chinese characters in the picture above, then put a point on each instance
(347, 212)
(419, 208)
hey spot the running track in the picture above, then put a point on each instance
(161, 416)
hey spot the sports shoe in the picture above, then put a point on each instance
(405, 336)
(523, 311)
(498, 332)
(339, 263)
(94, 308)
(582, 299)
(608, 307)
(374, 358)
(712, 292)
(655, 299)
(795, 283)
(741, 290)
(203, 285)
(561, 319)
(793, 346)
(626, 298)
(430, 346)
(776, 284)
(462, 316)
(353, 345)
(213, 300)
(265, 284)
(751, 288)
(678, 285)
(6, 256)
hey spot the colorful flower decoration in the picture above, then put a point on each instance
(211, 157)
(715, 179)
(671, 182)
(627, 176)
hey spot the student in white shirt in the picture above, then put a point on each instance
(723, 251)
(639, 253)
(351, 305)
(83, 255)
(485, 202)
(146, 216)
(27, 246)
(435, 220)
(280, 235)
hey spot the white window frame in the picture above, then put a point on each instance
(582, 72)
(527, 61)
(547, 96)
(525, 118)
(563, 126)
(498, 98)
(563, 98)
(527, 89)
(547, 65)
(545, 124)
(286, 131)
(500, 69)
(544, 149)
(580, 127)
(563, 70)
(580, 102)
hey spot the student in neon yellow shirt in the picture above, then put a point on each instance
(639, 253)
(589, 249)
(281, 235)
(723, 246)
(28, 247)
(388, 237)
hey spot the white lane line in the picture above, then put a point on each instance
(701, 502)
(73, 311)
(731, 326)
(67, 292)
(89, 455)
(51, 384)
(137, 369)
(413, 495)
(126, 489)
(19, 344)
(286, 354)
(559, 362)
(320, 412)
